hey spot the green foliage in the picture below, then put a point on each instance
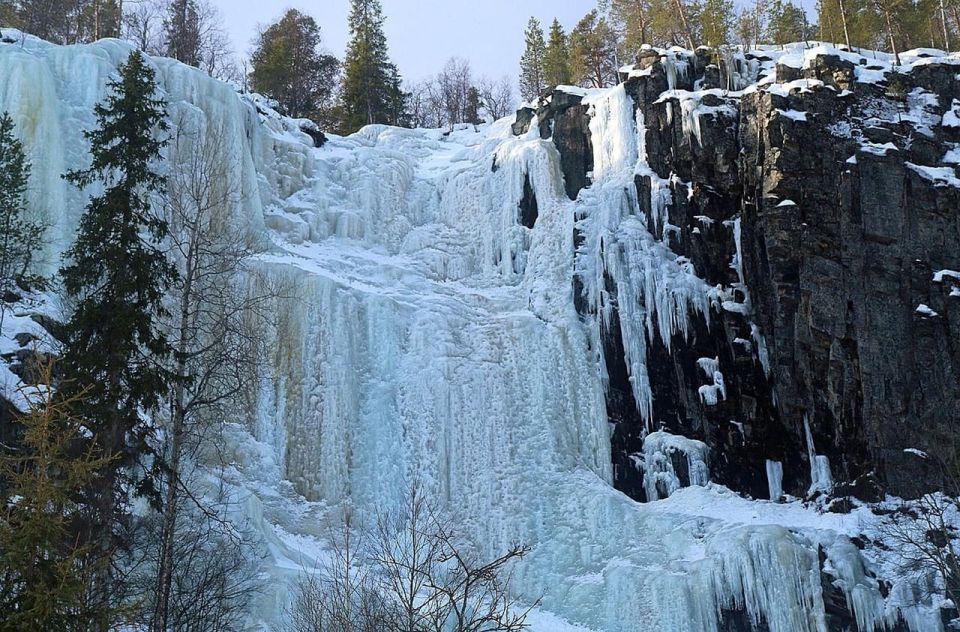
(182, 26)
(716, 21)
(786, 22)
(633, 21)
(471, 112)
(593, 51)
(45, 560)
(289, 67)
(749, 26)
(19, 238)
(556, 61)
(116, 276)
(371, 90)
(532, 76)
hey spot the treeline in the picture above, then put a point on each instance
(289, 63)
(611, 35)
(290, 66)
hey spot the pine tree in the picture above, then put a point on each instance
(532, 79)
(633, 20)
(182, 26)
(289, 67)
(370, 87)
(556, 60)
(45, 561)
(19, 238)
(716, 20)
(593, 51)
(787, 22)
(115, 275)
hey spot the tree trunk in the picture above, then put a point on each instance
(681, 10)
(893, 40)
(178, 413)
(843, 20)
(943, 23)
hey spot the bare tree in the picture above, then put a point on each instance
(340, 595)
(213, 347)
(405, 552)
(454, 82)
(417, 103)
(415, 574)
(924, 533)
(143, 25)
(497, 97)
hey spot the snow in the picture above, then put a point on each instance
(940, 275)
(426, 335)
(924, 310)
(794, 115)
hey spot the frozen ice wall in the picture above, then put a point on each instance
(429, 335)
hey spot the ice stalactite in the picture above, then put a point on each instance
(655, 291)
(662, 452)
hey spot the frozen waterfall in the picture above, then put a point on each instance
(431, 335)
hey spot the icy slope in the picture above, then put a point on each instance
(431, 335)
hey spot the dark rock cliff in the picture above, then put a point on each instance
(831, 199)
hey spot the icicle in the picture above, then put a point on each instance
(775, 479)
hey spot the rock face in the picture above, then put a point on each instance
(828, 208)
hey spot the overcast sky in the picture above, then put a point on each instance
(421, 34)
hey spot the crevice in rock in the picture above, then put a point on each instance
(528, 204)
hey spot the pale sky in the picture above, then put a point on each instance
(422, 34)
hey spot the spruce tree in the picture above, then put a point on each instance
(370, 91)
(182, 26)
(532, 80)
(115, 276)
(19, 238)
(471, 111)
(556, 60)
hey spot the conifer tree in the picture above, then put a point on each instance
(716, 20)
(19, 238)
(115, 276)
(532, 78)
(471, 110)
(44, 565)
(371, 91)
(289, 67)
(182, 26)
(593, 51)
(556, 61)
(633, 21)
(786, 22)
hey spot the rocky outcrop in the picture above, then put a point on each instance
(826, 212)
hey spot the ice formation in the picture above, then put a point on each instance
(432, 336)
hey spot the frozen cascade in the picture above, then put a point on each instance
(660, 476)
(432, 336)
